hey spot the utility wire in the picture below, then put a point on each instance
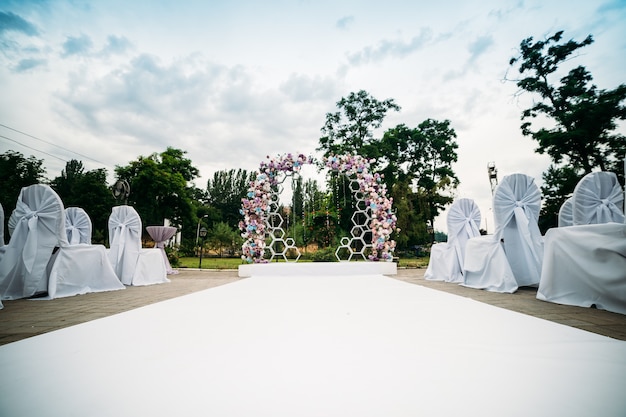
(29, 147)
(49, 143)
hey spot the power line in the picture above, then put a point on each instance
(29, 147)
(49, 143)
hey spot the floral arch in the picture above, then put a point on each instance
(261, 199)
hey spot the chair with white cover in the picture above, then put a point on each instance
(35, 226)
(78, 226)
(39, 259)
(598, 198)
(566, 213)
(80, 267)
(1, 238)
(512, 257)
(585, 264)
(446, 259)
(132, 264)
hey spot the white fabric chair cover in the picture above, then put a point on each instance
(512, 257)
(585, 265)
(78, 226)
(1, 239)
(566, 213)
(598, 198)
(36, 225)
(80, 267)
(132, 264)
(446, 259)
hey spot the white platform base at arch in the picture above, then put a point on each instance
(317, 268)
(312, 346)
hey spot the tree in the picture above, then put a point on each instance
(225, 191)
(583, 137)
(159, 188)
(89, 191)
(350, 129)
(431, 155)
(420, 158)
(17, 172)
(222, 236)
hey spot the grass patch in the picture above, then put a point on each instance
(233, 263)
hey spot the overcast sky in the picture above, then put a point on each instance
(232, 81)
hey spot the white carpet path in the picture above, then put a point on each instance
(296, 346)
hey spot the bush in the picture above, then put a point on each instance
(324, 255)
(172, 256)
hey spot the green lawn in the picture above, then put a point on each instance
(233, 263)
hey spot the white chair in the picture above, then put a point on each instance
(585, 265)
(78, 226)
(35, 226)
(1, 239)
(39, 259)
(598, 198)
(565, 213)
(446, 259)
(512, 257)
(132, 264)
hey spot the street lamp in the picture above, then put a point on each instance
(202, 233)
(430, 230)
(198, 227)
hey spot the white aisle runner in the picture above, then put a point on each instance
(348, 346)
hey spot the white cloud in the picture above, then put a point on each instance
(231, 82)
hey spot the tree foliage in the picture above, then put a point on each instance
(225, 191)
(583, 136)
(351, 128)
(87, 190)
(159, 187)
(17, 172)
(416, 162)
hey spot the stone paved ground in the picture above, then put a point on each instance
(26, 318)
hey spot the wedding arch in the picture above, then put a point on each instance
(262, 220)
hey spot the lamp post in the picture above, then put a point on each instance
(198, 228)
(431, 231)
(202, 233)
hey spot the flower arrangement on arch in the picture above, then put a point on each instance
(383, 221)
(256, 204)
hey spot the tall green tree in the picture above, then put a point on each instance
(222, 236)
(584, 117)
(417, 167)
(225, 191)
(89, 191)
(17, 172)
(350, 130)
(431, 155)
(159, 188)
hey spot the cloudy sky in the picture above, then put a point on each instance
(105, 81)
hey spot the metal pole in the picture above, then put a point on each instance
(201, 250)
